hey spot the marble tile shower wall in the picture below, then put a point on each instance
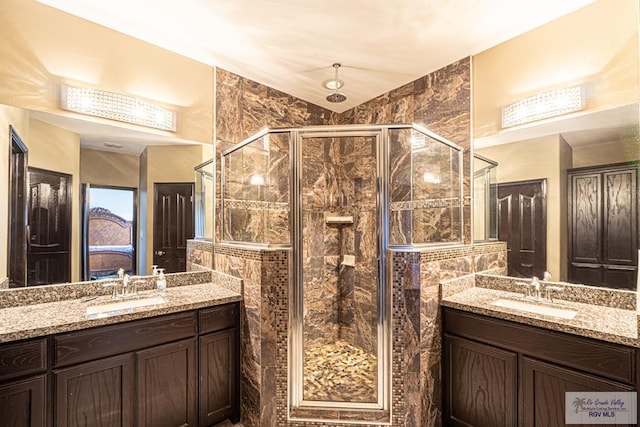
(439, 101)
(243, 107)
(338, 178)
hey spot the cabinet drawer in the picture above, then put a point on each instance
(105, 341)
(598, 357)
(219, 318)
(23, 358)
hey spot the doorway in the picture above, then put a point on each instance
(172, 225)
(109, 231)
(49, 227)
(18, 235)
(522, 223)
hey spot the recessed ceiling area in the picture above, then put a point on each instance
(291, 45)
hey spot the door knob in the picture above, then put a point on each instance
(160, 253)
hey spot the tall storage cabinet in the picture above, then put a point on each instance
(603, 225)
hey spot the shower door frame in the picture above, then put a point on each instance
(296, 311)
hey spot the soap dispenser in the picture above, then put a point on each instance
(161, 281)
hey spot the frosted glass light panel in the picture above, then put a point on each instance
(255, 191)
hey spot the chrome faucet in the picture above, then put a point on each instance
(537, 288)
(537, 291)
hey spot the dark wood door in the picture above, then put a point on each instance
(173, 225)
(23, 404)
(18, 235)
(218, 377)
(522, 223)
(48, 254)
(95, 393)
(603, 221)
(480, 384)
(167, 385)
(543, 391)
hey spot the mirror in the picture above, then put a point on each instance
(485, 199)
(595, 48)
(115, 164)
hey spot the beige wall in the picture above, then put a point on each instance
(43, 47)
(58, 150)
(19, 119)
(162, 164)
(109, 168)
(547, 157)
(616, 151)
(596, 46)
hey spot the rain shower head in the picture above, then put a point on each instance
(336, 96)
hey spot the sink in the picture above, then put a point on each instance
(113, 308)
(537, 308)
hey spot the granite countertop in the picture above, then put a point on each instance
(594, 321)
(34, 320)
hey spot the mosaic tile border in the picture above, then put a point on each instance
(445, 253)
(256, 205)
(450, 202)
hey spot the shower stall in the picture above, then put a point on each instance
(341, 198)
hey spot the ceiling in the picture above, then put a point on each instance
(290, 45)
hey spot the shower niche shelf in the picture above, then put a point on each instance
(339, 220)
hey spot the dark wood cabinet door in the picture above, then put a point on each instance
(22, 403)
(479, 384)
(603, 221)
(218, 377)
(96, 393)
(543, 391)
(167, 385)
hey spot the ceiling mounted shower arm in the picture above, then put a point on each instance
(336, 96)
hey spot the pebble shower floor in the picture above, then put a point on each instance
(340, 372)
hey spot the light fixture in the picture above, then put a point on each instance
(335, 84)
(115, 106)
(543, 106)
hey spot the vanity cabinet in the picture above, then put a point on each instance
(98, 393)
(481, 381)
(501, 373)
(219, 365)
(167, 387)
(23, 383)
(148, 372)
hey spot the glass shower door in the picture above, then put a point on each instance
(341, 361)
